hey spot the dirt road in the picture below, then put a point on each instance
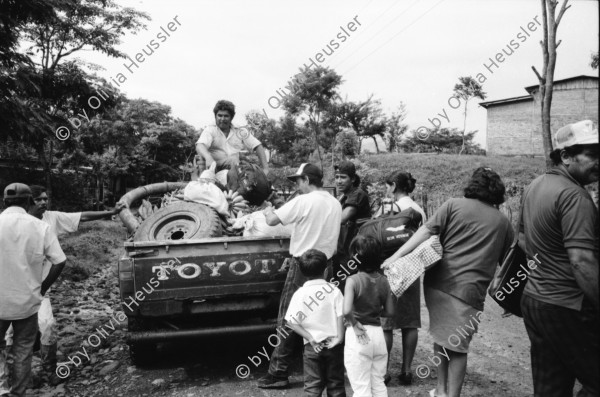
(498, 363)
(99, 365)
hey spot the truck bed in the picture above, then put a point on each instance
(211, 275)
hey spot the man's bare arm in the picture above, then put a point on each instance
(202, 150)
(55, 271)
(348, 213)
(270, 217)
(95, 215)
(584, 263)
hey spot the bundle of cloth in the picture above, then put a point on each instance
(205, 191)
(255, 225)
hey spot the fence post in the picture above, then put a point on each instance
(424, 196)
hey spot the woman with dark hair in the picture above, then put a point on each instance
(407, 308)
(475, 236)
(354, 200)
(355, 206)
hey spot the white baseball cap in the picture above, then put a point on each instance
(580, 133)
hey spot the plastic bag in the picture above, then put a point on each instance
(204, 191)
(221, 177)
(255, 225)
(47, 323)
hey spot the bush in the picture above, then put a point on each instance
(347, 143)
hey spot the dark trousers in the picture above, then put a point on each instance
(564, 347)
(24, 334)
(324, 370)
(284, 352)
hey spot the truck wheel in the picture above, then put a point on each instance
(180, 221)
(142, 353)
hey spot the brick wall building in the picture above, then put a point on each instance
(514, 124)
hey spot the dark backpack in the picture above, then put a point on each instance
(392, 230)
(250, 181)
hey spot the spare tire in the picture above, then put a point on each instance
(180, 221)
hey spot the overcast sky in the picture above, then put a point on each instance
(409, 50)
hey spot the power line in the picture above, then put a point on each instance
(378, 32)
(393, 37)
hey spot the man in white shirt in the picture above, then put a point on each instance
(316, 218)
(25, 242)
(60, 223)
(222, 142)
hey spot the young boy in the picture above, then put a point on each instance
(315, 313)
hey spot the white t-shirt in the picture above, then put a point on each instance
(25, 242)
(406, 202)
(221, 147)
(316, 218)
(316, 307)
(60, 223)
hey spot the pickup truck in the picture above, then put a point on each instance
(176, 283)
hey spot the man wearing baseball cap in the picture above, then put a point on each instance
(560, 303)
(24, 244)
(315, 216)
(61, 223)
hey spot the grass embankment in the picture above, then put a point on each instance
(444, 176)
(447, 175)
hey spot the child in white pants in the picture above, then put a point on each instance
(367, 297)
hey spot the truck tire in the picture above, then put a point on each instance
(180, 221)
(141, 353)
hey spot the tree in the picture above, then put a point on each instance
(366, 118)
(17, 77)
(60, 87)
(312, 94)
(396, 127)
(594, 61)
(546, 79)
(467, 89)
(347, 143)
(442, 140)
(137, 139)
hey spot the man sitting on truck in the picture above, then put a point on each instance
(60, 223)
(316, 217)
(223, 142)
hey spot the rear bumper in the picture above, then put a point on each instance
(170, 335)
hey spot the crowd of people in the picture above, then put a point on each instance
(348, 323)
(560, 303)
